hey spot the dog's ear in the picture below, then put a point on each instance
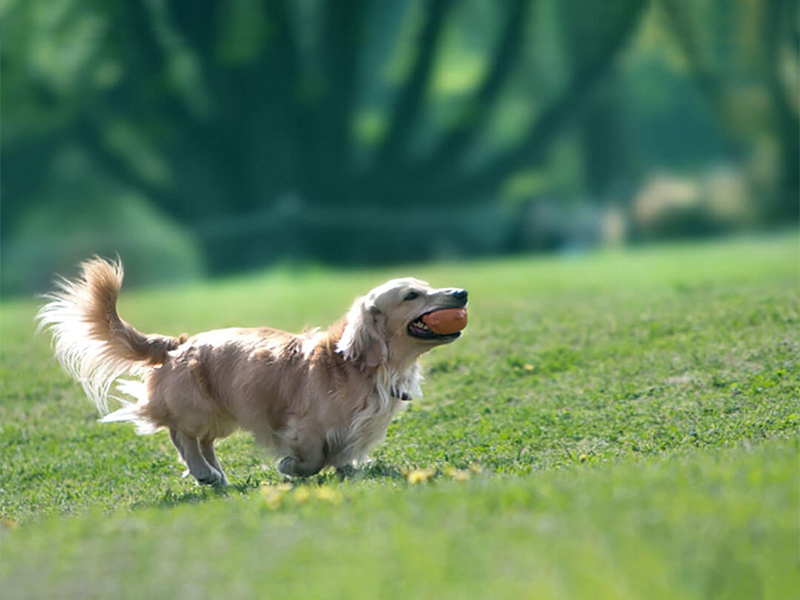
(364, 335)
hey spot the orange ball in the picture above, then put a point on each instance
(446, 321)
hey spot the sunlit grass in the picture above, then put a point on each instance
(615, 425)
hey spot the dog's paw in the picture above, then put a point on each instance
(214, 478)
(291, 466)
(287, 466)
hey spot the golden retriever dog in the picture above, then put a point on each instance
(318, 399)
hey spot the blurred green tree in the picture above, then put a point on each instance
(221, 109)
(746, 65)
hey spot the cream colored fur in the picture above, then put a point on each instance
(321, 398)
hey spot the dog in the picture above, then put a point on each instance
(323, 398)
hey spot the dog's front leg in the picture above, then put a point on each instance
(305, 460)
(298, 467)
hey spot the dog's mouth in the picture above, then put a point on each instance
(420, 330)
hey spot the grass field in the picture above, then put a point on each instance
(613, 425)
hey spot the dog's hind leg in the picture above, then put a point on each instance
(173, 435)
(201, 470)
(176, 441)
(207, 450)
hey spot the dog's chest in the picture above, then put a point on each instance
(366, 430)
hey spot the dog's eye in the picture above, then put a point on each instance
(411, 296)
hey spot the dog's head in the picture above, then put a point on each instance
(386, 325)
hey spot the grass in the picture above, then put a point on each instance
(634, 416)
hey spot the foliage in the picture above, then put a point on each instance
(747, 69)
(376, 132)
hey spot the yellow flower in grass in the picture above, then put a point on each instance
(273, 499)
(273, 494)
(415, 476)
(301, 495)
(329, 494)
(266, 488)
(460, 475)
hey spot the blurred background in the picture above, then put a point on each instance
(202, 137)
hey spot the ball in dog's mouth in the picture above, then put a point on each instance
(439, 323)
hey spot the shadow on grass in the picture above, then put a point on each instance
(171, 498)
(375, 471)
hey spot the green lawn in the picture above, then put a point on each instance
(631, 420)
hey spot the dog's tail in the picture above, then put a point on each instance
(91, 341)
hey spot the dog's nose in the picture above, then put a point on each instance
(459, 295)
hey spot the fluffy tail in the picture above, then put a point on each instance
(91, 341)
